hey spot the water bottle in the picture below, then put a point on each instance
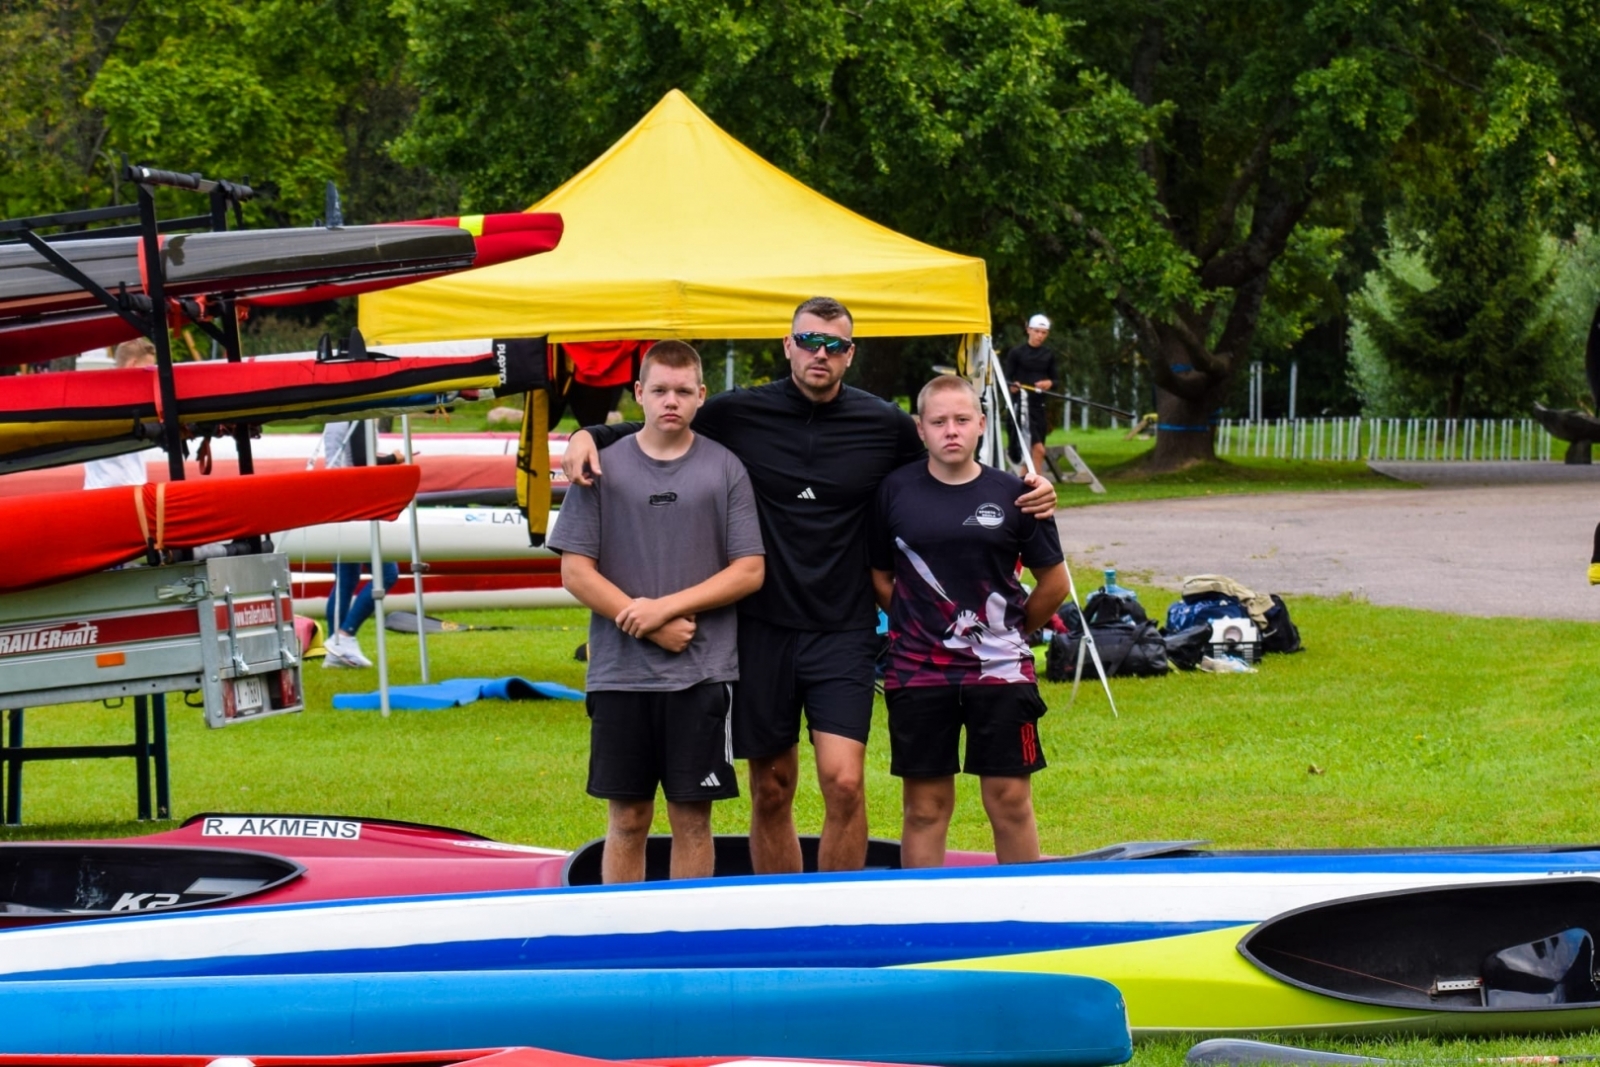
(1111, 587)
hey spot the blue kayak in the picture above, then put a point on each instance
(921, 1017)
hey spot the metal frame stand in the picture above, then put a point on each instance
(148, 751)
(148, 314)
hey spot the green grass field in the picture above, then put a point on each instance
(1116, 461)
(1395, 727)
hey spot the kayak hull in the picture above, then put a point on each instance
(873, 918)
(43, 317)
(1199, 984)
(71, 416)
(1004, 1020)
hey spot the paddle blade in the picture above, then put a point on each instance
(1227, 1051)
(407, 622)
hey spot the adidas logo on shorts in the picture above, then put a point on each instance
(711, 781)
(806, 494)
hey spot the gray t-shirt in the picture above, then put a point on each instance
(655, 528)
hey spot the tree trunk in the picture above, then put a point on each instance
(1184, 431)
(1452, 403)
(1187, 401)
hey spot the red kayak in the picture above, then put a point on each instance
(445, 478)
(216, 860)
(44, 316)
(56, 536)
(72, 416)
(221, 860)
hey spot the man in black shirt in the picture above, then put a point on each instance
(815, 451)
(1032, 363)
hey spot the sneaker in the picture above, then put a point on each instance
(348, 649)
(330, 659)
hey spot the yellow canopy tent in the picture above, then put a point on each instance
(678, 230)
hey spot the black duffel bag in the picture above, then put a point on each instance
(1126, 649)
(1187, 647)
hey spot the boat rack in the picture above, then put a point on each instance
(222, 627)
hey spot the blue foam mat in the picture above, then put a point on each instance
(456, 692)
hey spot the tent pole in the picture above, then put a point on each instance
(375, 537)
(416, 563)
(997, 384)
(977, 362)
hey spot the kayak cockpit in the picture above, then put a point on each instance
(1498, 947)
(732, 857)
(47, 882)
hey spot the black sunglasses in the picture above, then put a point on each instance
(813, 341)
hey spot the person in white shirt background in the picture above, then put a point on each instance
(128, 468)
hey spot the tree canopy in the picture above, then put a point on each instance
(1218, 178)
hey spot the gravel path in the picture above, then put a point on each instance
(1463, 550)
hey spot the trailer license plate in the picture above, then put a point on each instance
(249, 695)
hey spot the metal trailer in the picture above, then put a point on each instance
(221, 627)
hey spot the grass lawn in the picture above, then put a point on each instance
(1115, 460)
(1396, 727)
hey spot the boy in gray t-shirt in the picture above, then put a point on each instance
(659, 550)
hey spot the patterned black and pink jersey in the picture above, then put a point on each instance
(957, 611)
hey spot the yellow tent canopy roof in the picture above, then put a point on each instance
(678, 230)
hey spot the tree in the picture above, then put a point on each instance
(1463, 319)
(285, 94)
(965, 124)
(1191, 165)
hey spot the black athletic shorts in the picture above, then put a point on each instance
(828, 673)
(676, 739)
(1002, 723)
(1038, 419)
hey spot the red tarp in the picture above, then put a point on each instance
(605, 363)
(56, 536)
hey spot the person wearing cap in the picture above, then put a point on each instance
(1032, 363)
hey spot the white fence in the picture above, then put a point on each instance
(1355, 439)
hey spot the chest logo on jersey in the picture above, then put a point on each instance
(989, 516)
(661, 500)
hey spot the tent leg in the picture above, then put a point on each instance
(416, 564)
(375, 537)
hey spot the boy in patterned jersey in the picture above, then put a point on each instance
(945, 540)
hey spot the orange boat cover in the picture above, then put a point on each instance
(55, 536)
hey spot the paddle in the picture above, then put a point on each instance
(406, 622)
(1230, 1051)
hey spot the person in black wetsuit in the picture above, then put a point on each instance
(815, 450)
(1032, 363)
